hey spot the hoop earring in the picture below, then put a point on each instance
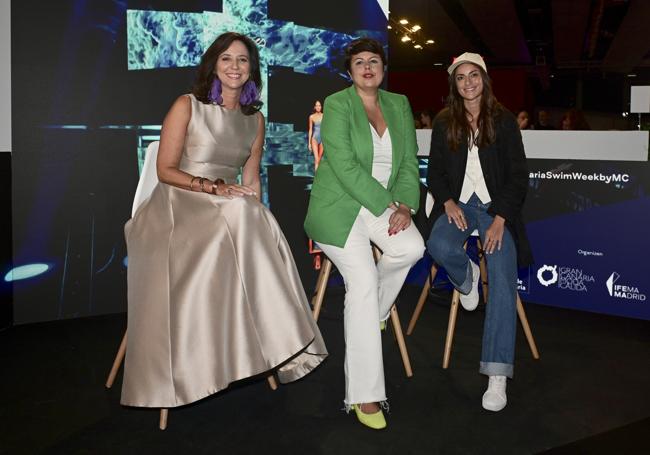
(249, 94)
(214, 95)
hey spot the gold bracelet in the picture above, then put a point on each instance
(201, 182)
(192, 183)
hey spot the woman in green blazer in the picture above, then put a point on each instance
(365, 190)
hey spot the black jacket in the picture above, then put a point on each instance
(504, 169)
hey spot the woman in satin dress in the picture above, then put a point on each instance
(213, 292)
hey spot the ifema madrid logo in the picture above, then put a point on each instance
(566, 277)
(623, 291)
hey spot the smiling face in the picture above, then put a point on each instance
(233, 66)
(366, 70)
(469, 82)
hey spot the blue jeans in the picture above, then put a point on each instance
(445, 245)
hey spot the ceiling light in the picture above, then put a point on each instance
(415, 28)
(437, 64)
(430, 41)
(631, 75)
(390, 28)
(403, 21)
(417, 46)
(406, 38)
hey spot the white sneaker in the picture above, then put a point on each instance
(470, 301)
(494, 398)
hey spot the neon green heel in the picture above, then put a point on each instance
(375, 421)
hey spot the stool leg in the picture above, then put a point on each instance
(526, 327)
(483, 267)
(318, 280)
(272, 382)
(116, 363)
(376, 252)
(399, 336)
(451, 327)
(163, 418)
(423, 298)
(317, 302)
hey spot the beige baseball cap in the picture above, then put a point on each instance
(467, 57)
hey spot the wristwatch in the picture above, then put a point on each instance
(398, 204)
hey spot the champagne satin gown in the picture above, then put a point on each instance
(213, 292)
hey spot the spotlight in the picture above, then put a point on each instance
(430, 41)
(403, 21)
(437, 64)
(415, 28)
(26, 271)
(417, 46)
(389, 27)
(406, 38)
(631, 75)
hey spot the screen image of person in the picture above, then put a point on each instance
(364, 191)
(478, 177)
(199, 316)
(315, 144)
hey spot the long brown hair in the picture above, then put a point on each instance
(458, 127)
(205, 74)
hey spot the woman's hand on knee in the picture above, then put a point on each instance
(494, 235)
(455, 214)
(399, 220)
(231, 190)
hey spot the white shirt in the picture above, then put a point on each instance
(474, 181)
(382, 162)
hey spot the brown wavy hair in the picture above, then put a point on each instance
(205, 73)
(458, 127)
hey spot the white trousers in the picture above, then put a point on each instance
(371, 290)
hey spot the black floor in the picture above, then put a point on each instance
(589, 393)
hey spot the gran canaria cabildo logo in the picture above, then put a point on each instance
(569, 278)
(552, 269)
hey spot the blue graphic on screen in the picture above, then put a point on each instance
(157, 40)
(164, 39)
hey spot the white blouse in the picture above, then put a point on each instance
(382, 162)
(474, 181)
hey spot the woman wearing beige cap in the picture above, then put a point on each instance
(478, 177)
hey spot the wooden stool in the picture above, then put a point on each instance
(317, 303)
(163, 411)
(453, 310)
(432, 276)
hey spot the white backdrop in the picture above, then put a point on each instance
(576, 145)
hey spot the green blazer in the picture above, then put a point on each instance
(344, 182)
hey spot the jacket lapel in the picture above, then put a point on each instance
(360, 131)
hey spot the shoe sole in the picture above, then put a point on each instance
(494, 409)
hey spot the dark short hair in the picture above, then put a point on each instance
(363, 45)
(205, 73)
